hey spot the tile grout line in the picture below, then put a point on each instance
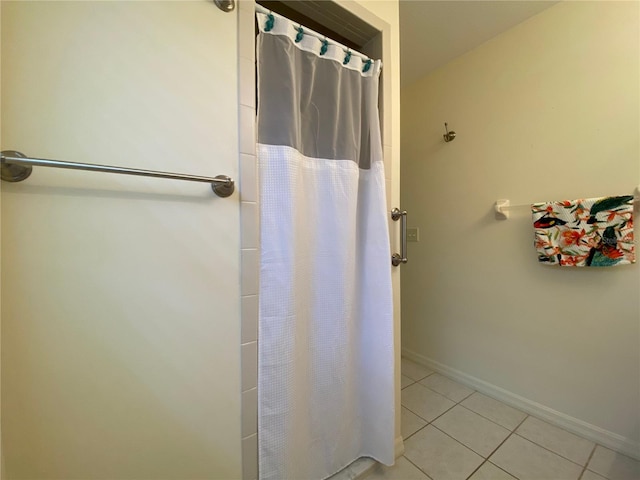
(555, 453)
(430, 422)
(465, 446)
(412, 383)
(593, 450)
(421, 428)
(484, 462)
(421, 378)
(460, 402)
(421, 418)
(493, 421)
(486, 459)
(407, 459)
(511, 431)
(496, 449)
(500, 468)
(442, 394)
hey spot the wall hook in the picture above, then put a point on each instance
(448, 136)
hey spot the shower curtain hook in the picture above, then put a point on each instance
(270, 21)
(347, 58)
(300, 33)
(325, 46)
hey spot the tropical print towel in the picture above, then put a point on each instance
(593, 232)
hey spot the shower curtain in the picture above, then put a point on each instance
(325, 368)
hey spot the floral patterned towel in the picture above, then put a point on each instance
(593, 232)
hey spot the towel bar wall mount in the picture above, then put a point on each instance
(502, 206)
(400, 258)
(16, 167)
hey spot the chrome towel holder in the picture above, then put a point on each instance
(398, 258)
(16, 167)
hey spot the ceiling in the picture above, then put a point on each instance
(433, 33)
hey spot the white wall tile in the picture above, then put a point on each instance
(250, 458)
(246, 33)
(249, 224)
(247, 131)
(248, 178)
(249, 366)
(249, 412)
(249, 318)
(247, 82)
(250, 236)
(250, 260)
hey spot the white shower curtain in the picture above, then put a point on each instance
(325, 377)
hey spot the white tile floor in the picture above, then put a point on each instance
(454, 433)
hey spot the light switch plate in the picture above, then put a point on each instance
(413, 234)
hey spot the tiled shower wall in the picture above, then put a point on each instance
(250, 237)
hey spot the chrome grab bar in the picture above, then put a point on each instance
(17, 167)
(397, 214)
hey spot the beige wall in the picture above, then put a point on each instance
(120, 295)
(548, 110)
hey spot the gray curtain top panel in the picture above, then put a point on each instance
(314, 104)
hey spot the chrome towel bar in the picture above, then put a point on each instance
(17, 167)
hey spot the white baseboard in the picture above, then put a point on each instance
(579, 427)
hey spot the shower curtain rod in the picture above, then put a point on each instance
(308, 31)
